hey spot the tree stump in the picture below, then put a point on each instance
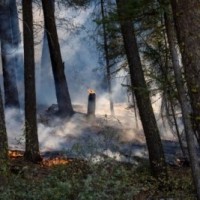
(91, 103)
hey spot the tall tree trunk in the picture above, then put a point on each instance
(45, 68)
(32, 144)
(165, 72)
(184, 153)
(3, 146)
(156, 154)
(186, 16)
(62, 92)
(10, 39)
(185, 107)
(107, 58)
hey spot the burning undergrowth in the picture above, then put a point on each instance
(69, 148)
(86, 138)
(102, 136)
(60, 178)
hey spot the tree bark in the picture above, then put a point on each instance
(32, 145)
(187, 21)
(156, 154)
(188, 62)
(62, 92)
(3, 146)
(91, 105)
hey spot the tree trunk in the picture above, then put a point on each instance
(165, 72)
(107, 58)
(32, 144)
(3, 146)
(10, 39)
(45, 69)
(186, 16)
(156, 154)
(62, 92)
(185, 107)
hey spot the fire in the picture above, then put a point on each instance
(15, 153)
(49, 162)
(91, 91)
(55, 161)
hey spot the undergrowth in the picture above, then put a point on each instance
(105, 180)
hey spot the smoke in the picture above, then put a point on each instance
(15, 128)
(85, 138)
(81, 137)
(119, 136)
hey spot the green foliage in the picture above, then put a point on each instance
(107, 180)
(84, 180)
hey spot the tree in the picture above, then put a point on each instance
(32, 144)
(179, 82)
(62, 92)
(185, 19)
(10, 39)
(107, 58)
(3, 146)
(138, 84)
(45, 65)
(157, 63)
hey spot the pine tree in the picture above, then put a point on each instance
(62, 91)
(138, 84)
(186, 15)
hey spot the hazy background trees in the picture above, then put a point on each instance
(10, 39)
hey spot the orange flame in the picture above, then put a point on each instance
(55, 161)
(15, 153)
(91, 91)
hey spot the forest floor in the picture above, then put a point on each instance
(95, 158)
(60, 178)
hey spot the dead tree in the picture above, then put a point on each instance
(91, 104)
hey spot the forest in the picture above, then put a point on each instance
(99, 99)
